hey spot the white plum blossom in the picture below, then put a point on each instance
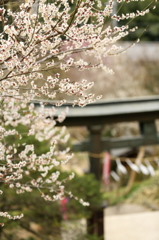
(39, 44)
(19, 160)
(47, 37)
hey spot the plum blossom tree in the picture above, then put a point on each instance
(19, 159)
(46, 37)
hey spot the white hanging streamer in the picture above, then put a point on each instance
(120, 167)
(133, 166)
(144, 169)
(150, 168)
(115, 176)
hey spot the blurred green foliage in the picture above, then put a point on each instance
(47, 215)
(149, 22)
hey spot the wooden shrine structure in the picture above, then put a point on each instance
(142, 110)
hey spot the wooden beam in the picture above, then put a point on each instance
(102, 113)
(121, 142)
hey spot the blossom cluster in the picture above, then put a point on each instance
(47, 37)
(20, 167)
(39, 44)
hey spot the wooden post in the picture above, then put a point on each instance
(95, 150)
(95, 224)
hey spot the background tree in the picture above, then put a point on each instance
(150, 22)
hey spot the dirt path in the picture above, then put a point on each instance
(131, 223)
